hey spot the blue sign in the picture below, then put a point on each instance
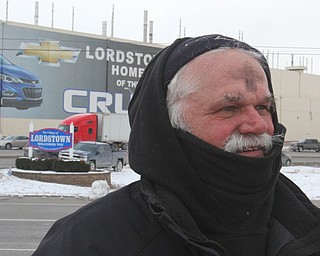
(50, 139)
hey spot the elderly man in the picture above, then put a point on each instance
(207, 143)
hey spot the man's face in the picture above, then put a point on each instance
(233, 97)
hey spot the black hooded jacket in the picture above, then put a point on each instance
(193, 198)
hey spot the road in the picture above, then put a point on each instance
(24, 221)
(8, 157)
(309, 158)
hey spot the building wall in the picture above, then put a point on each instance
(20, 126)
(57, 73)
(103, 77)
(297, 98)
(298, 103)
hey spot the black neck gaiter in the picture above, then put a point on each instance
(239, 187)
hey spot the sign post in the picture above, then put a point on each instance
(30, 149)
(72, 137)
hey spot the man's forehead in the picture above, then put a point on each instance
(251, 74)
(231, 63)
(238, 96)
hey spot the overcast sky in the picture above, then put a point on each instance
(273, 25)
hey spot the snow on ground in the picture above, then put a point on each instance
(14, 186)
(307, 178)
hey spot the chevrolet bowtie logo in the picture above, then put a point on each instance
(49, 52)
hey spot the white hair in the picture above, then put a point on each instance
(185, 83)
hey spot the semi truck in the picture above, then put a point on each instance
(101, 127)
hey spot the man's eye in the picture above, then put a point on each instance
(229, 111)
(229, 108)
(264, 110)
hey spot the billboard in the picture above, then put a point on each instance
(48, 73)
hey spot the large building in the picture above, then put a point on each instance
(49, 74)
(298, 102)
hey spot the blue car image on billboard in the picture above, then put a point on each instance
(19, 87)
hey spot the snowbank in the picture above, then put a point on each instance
(307, 178)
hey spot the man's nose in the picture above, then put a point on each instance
(253, 122)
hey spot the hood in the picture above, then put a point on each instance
(81, 152)
(76, 151)
(177, 161)
(151, 131)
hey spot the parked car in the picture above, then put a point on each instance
(14, 141)
(286, 159)
(305, 144)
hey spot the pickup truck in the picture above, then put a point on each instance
(97, 154)
(305, 144)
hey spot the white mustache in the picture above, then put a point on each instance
(238, 143)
